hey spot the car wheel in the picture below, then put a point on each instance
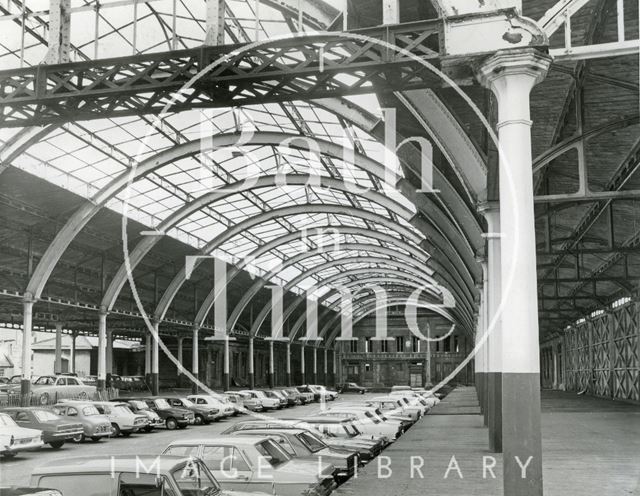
(96, 439)
(44, 399)
(199, 420)
(171, 423)
(148, 428)
(125, 433)
(182, 426)
(79, 438)
(56, 444)
(115, 430)
(361, 392)
(9, 455)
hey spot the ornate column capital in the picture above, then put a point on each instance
(528, 62)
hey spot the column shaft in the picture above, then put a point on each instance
(57, 367)
(494, 341)
(180, 358)
(252, 377)
(102, 351)
(27, 325)
(195, 360)
(271, 379)
(289, 384)
(303, 378)
(511, 74)
(155, 361)
(226, 378)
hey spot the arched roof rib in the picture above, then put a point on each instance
(404, 262)
(452, 250)
(85, 213)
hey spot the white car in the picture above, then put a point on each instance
(14, 438)
(394, 406)
(327, 394)
(224, 409)
(365, 421)
(416, 399)
(123, 421)
(267, 403)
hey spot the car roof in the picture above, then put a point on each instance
(118, 463)
(224, 440)
(75, 403)
(280, 429)
(22, 408)
(324, 420)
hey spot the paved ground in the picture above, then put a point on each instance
(17, 471)
(591, 447)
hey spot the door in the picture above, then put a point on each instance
(230, 468)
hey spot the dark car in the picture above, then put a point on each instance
(171, 416)
(352, 387)
(203, 414)
(55, 429)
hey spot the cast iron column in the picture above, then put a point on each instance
(511, 75)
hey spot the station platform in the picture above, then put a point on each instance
(590, 448)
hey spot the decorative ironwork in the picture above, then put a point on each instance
(306, 67)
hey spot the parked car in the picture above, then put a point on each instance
(12, 384)
(292, 399)
(95, 425)
(249, 402)
(300, 443)
(172, 416)
(366, 423)
(55, 429)
(125, 475)
(123, 421)
(14, 438)
(306, 389)
(140, 407)
(206, 400)
(415, 399)
(256, 464)
(49, 389)
(363, 448)
(29, 491)
(372, 414)
(394, 407)
(4, 380)
(304, 397)
(276, 395)
(321, 392)
(129, 383)
(266, 402)
(352, 387)
(202, 414)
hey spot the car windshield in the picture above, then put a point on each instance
(121, 410)
(260, 394)
(195, 480)
(186, 402)
(351, 430)
(313, 443)
(87, 411)
(6, 421)
(271, 452)
(162, 404)
(371, 417)
(138, 405)
(45, 415)
(45, 380)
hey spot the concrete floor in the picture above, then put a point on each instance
(591, 447)
(17, 471)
